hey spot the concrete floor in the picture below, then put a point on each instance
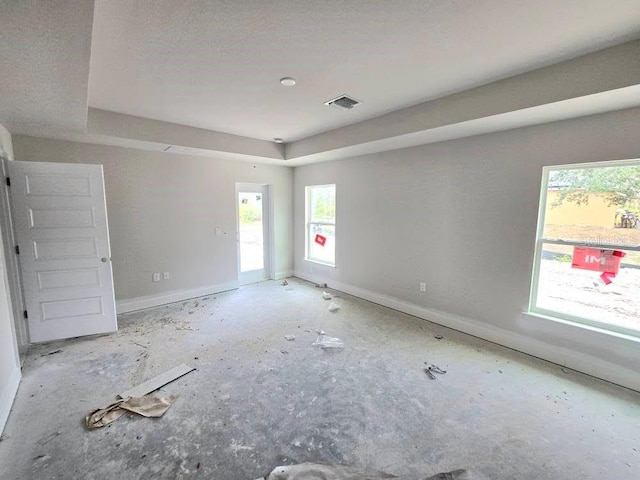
(257, 400)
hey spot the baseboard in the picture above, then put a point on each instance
(149, 301)
(579, 361)
(8, 394)
(283, 274)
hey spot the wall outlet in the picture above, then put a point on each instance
(165, 276)
(156, 277)
(423, 286)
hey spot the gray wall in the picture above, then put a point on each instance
(461, 216)
(163, 209)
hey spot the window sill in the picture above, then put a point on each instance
(318, 262)
(584, 326)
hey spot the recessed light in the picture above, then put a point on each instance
(288, 81)
(278, 140)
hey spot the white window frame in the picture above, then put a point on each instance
(309, 224)
(540, 241)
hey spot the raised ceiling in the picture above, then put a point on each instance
(202, 76)
(216, 65)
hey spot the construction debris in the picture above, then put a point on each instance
(438, 337)
(306, 471)
(145, 406)
(290, 338)
(333, 307)
(327, 295)
(328, 343)
(285, 283)
(431, 369)
(51, 353)
(157, 382)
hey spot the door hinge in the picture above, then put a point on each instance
(17, 249)
(26, 315)
(8, 182)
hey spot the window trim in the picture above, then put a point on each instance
(308, 224)
(540, 241)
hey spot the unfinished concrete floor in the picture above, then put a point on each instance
(257, 400)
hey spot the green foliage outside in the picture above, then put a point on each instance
(250, 212)
(620, 186)
(323, 201)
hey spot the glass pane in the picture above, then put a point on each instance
(251, 231)
(595, 206)
(578, 285)
(322, 202)
(322, 243)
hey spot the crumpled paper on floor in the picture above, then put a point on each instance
(146, 406)
(315, 471)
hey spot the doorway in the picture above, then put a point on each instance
(253, 208)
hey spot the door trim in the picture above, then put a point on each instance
(267, 232)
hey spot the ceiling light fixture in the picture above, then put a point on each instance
(288, 81)
(278, 140)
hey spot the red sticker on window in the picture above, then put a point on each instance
(607, 261)
(320, 240)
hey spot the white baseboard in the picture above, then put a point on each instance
(7, 396)
(283, 274)
(149, 301)
(597, 367)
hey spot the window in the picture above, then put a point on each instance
(587, 260)
(321, 224)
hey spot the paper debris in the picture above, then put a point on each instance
(333, 307)
(156, 382)
(290, 338)
(145, 406)
(306, 471)
(327, 295)
(314, 470)
(325, 342)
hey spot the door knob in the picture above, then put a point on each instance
(104, 259)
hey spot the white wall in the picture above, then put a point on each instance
(462, 215)
(163, 209)
(9, 361)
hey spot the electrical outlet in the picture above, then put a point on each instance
(423, 286)
(165, 276)
(156, 277)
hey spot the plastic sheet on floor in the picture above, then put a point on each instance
(315, 471)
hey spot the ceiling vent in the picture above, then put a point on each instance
(343, 102)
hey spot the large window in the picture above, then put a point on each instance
(587, 261)
(321, 224)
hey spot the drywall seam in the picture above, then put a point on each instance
(9, 393)
(149, 301)
(620, 375)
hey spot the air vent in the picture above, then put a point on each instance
(343, 102)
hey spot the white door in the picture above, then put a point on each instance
(253, 232)
(60, 221)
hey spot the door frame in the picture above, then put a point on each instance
(14, 274)
(267, 227)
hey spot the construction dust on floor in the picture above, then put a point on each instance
(264, 396)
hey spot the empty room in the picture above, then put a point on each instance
(320, 240)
